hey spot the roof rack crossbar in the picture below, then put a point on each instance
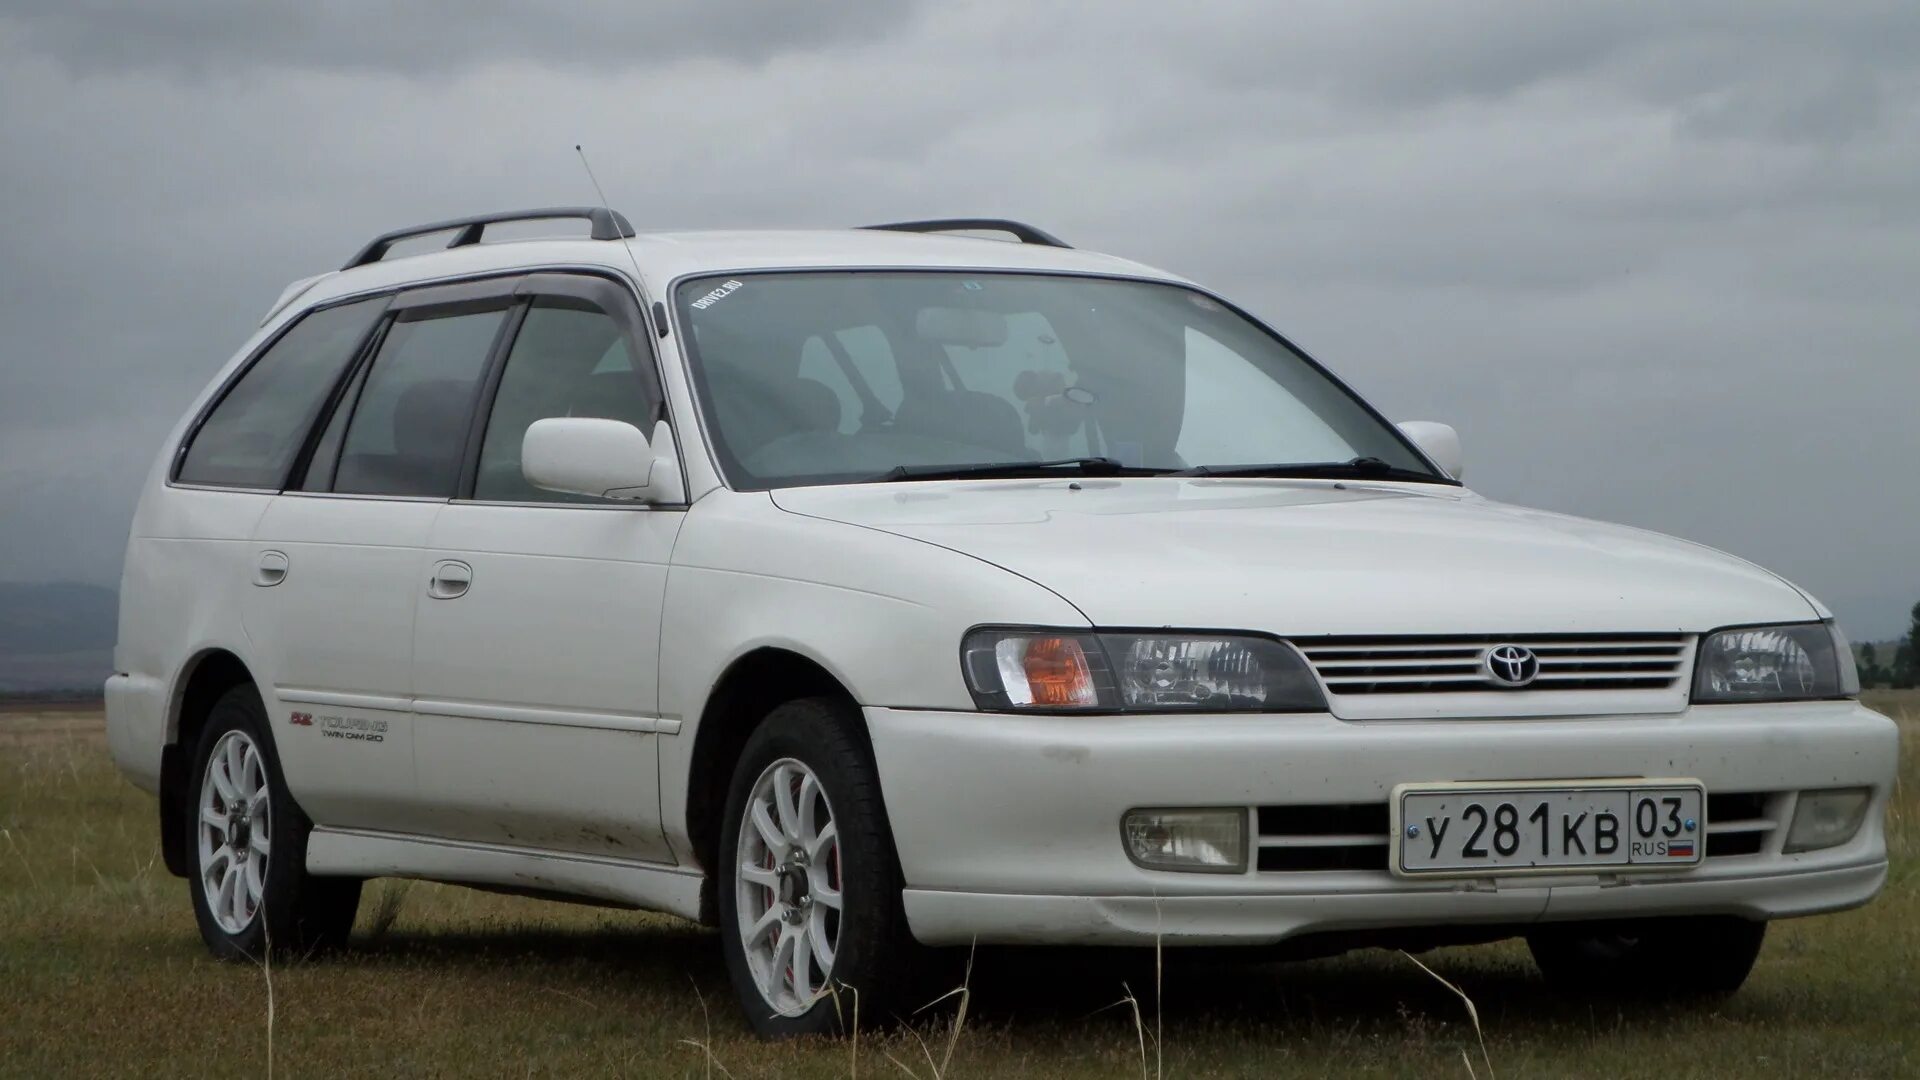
(606, 225)
(1020, 230)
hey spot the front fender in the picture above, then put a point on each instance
(883, 614)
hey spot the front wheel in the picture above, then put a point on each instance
(1708, 956)
(810, 915)
(248, 840)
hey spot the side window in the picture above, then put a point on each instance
(254, 433)
(409, 427)
(326, 453)
(569, 359)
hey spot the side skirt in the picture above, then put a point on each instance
(365, 853)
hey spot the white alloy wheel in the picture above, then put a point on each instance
(235, 831)
(787, 887)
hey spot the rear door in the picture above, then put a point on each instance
(536, 648)
(341, 560)
(198, 558)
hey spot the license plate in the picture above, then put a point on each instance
(1478, 829)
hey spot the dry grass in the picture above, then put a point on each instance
(101, 974)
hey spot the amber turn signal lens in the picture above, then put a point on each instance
(1057, 674)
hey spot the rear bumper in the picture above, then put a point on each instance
(136, 727)
(1008, 828)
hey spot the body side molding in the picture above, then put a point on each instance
(473, 710)
(367, 853)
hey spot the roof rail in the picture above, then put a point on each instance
(1020, 231)
(607, 225)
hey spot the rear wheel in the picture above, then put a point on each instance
(248, 842)
(1705, 956)
(809, 895)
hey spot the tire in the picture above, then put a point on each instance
(798, 962)
(1699, 957)
(243, 910)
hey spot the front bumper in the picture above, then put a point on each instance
(1008, 827)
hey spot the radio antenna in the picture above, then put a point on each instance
(659, 309)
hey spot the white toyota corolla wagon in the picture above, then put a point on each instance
(860, 591)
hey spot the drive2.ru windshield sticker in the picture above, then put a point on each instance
(725, 290)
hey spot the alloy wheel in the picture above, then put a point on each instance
(787, 886)
(235, 831)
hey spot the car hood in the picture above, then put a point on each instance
(1310, 557)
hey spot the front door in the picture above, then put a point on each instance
(536, 642)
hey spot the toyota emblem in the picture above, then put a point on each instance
(1511, 665)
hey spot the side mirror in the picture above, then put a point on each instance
(607, 459)
(1438, 441)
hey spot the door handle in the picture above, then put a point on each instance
(451, 577)
(271, 569)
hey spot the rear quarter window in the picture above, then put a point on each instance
(251, 437)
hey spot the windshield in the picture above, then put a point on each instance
(827, 377)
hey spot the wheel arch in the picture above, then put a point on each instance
(751, 687)
(205, 676)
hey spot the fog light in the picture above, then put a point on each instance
(1199, 841)
(1825, 818)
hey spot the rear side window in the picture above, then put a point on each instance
(409, 427)
(251, 437)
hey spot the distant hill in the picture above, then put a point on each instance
(1883, 651)
(56, 636)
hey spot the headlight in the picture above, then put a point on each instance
(1069, 671)
(1791, 662)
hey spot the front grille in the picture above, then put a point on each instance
(1297, 859)
(1326, 819)
(1740, 822)
(1323, 836)
(1452, 664)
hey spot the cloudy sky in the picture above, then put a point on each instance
(1659, 262)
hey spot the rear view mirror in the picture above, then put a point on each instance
(606, 459)
(1438, 441)
(968, 328)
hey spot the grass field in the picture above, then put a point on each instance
(102, 974)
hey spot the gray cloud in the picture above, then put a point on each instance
(212, 38)
(1657, 266)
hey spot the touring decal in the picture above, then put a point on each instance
(350, 728)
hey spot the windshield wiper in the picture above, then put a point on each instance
(1360, 468)
(1086, 466)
